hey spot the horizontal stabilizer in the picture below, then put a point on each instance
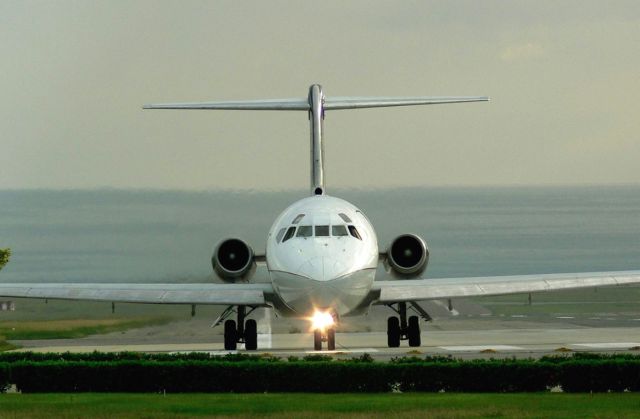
(381, 102)
(241, 105)
(335, 103)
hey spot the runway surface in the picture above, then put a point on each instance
(520, 343)
(470, 331)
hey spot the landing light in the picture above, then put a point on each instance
(321, 320)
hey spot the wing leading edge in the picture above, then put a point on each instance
(388, 292)
(384, 292)
(215, 294)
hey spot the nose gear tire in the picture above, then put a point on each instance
(317, 340)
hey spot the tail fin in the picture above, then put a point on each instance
(316, 104)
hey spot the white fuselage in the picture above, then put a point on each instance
(322, 254)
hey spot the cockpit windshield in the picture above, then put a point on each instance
(339, 231)
(354, 232)
(289, 234)
(324, 230)
(305, 231)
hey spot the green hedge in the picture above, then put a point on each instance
(133, 373)
(195, 376)
(234, 357)
(599, 375)
(127, 356)
(5, 376)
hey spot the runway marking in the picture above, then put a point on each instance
(565, 317)
(518, 315)
(482, 348)
(612, 345)
(343, 351)
(221, 353)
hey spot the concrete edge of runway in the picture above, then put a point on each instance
(505, 343)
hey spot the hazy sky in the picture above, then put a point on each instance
(563, 76)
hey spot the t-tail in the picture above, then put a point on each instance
(316, 104)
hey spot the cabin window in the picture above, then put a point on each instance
(354, 232)
(305, 231)
(322, 231)
(297, 219)
(280, 234)
(345, 218)
(339, 231)
(289, 234)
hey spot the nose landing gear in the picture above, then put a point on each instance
(328, 335)
(324, 329)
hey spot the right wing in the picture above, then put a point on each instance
(388, 292)
(250, 294)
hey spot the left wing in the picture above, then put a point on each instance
(251, 294)
(387, 292)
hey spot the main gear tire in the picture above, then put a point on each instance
(393, 332)
(250, 335)
(413, 331)
(230, 335)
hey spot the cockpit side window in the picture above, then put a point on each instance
(290, 233)
(354, 232)
(280, 234)
(322, 231)
(297, 219)
(339, 231)
(305, 231)
(345, 218)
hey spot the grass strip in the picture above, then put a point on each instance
(321, 405)
(71, 329)
(6, 346)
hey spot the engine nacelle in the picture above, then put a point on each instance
(233, 260)
(408, 256)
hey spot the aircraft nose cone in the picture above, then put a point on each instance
(323, 268)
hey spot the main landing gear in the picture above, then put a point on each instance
(328, 335)
(398, 328)
(239, 331)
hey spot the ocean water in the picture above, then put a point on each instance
(168, 236)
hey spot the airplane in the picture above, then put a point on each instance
(321, 257)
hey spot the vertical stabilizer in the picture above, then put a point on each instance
(316, 121)
(316, 104)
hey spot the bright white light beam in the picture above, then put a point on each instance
(321, 320)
